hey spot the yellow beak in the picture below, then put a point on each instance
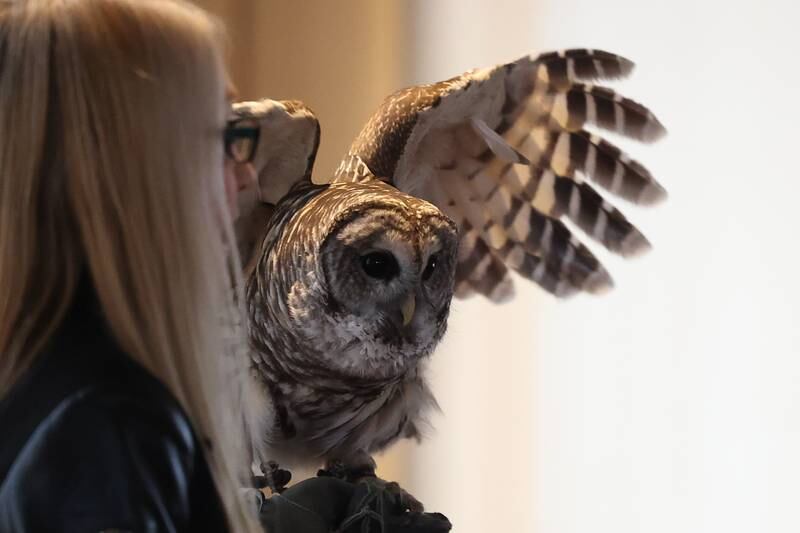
(408, 308)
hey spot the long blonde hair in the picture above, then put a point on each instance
(111, 114)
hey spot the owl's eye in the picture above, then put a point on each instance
(380, 265)
(430, 267)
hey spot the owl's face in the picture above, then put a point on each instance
(384, 276)
(389, 272)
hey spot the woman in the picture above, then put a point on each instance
(119, 380)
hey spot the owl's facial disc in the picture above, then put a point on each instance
(389, 273)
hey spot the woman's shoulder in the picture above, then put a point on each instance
(102, 458)
(121, 429)
(94, 440)
(83, 375)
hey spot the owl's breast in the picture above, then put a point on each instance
(316, 425)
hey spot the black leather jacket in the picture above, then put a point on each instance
(90, 441)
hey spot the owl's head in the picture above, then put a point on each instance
(371, 292)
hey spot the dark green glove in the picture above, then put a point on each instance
(325, 504)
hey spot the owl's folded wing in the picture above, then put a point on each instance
(503, 151)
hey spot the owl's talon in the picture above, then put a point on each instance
(274, 477)
(335, 469)
(350, 471)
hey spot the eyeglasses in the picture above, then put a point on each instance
(240, 141)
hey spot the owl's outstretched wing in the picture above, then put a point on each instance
(289, 135)
(503, 151)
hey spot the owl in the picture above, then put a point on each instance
(448, 189)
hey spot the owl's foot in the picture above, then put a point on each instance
(364, 472)
(350, 471)
(273, 477)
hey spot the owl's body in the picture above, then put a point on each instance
(448, 188)
(345, 375)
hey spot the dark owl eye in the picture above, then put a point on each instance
(380, 265)
(430, 267)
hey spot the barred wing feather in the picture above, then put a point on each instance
(505, 152)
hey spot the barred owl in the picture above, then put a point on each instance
(448, 189)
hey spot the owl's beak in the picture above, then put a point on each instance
(408, 308)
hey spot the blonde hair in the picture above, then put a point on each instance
(111, 161)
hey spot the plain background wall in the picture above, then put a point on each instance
(670, 404)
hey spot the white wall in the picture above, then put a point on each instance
(672, 404)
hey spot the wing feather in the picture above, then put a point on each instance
(600, 106)
(509, 154)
